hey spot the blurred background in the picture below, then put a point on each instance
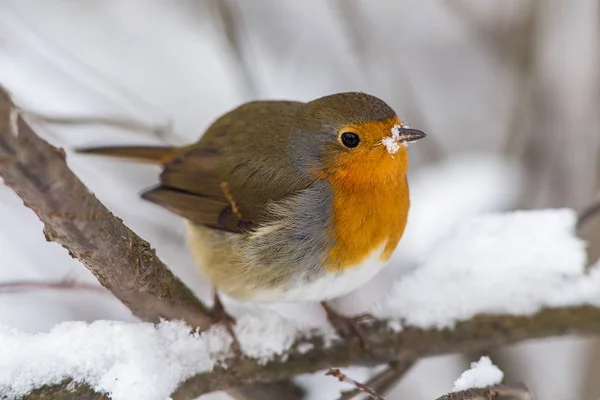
(507, 91)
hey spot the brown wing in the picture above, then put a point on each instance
(226, 180)
(190, 186)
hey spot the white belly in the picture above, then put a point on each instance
(328, 286)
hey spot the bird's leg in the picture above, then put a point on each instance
(347, 325)
(220, 316)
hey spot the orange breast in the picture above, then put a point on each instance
(370, 204)
(364, 221)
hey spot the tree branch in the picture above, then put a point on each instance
(481, 333)
(122, 262)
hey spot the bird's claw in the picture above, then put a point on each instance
(347, 326)
(222, 317)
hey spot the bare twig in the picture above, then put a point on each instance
(21, 286)
(515, 392)
(384, 381)
(336, 373)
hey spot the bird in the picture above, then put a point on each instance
(288, 201)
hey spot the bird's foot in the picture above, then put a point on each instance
(347, 326)
(222, 317)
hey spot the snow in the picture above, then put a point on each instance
(512, 263)
(482, 373)
(121, 358)
(516, 262)
(391, 142)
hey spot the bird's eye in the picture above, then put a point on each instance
(350, 139)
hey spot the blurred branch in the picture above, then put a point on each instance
(512, 44)
(21, 286)
(504, 39)
(233, 30)
(356, 32)
(160, 132)
(515, 392)
(588, 213)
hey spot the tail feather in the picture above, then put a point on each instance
(146, 154)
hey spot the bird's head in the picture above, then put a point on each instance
(354, 137)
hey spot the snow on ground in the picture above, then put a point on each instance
(482, 373)
(527, 260)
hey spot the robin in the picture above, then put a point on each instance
(289, 201)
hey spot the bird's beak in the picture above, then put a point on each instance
(408, 135)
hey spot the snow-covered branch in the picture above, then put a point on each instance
(125, 359)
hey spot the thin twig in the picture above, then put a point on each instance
(384, 381)
(336, 373)
(21, 286)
